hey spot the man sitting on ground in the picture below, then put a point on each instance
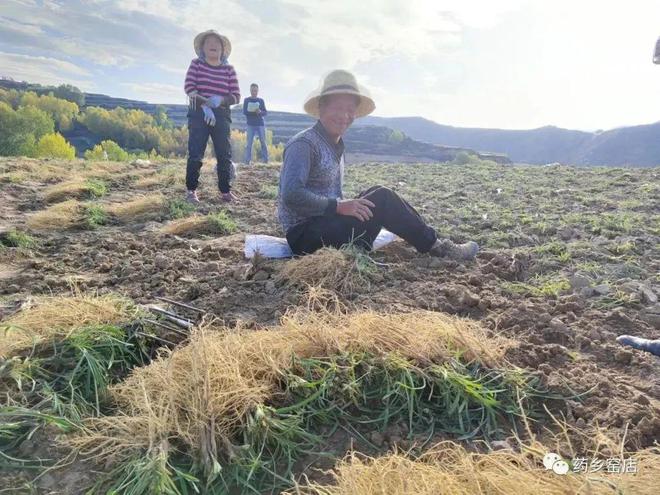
(311, 205)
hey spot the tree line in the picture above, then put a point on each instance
(34, 124)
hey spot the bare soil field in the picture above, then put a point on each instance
(569, 260)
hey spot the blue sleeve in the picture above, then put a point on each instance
(262, 105)
(245, 102)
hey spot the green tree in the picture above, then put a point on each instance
(462, 158)
(396, 137)
(21, 129)
(107, 150)
(10, 96)
(161, 118)
(70, 93)
(55, 146)
(62, 112)
(135, 130)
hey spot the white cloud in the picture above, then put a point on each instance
(154, 92)
(505, 63)
(44, 70)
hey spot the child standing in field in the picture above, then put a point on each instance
(212, 87)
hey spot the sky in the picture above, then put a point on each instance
(513, 64)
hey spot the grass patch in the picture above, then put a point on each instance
(153, 181)
(268, 191)
(222, 223)
(49, 317)
(450, 468)
(540, 287)
(179, 208)
(343, 270)
(259, 395)
(146, 206)
(616, 299)
(57, 217)
(95, 216)
(213, 223)
(60, 382)
(195, 224)
(17, 239)
(555, 248)
(75, 189)
(622, 249)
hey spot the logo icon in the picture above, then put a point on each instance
(556, 463)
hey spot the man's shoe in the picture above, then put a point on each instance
(191, 197)
(461, 252)
(228, 197)
(652, 346)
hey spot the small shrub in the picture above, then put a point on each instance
(18, 239)
(541, 288)
(462, 158)
(179, 208)
(95, 216)
(107, 150)
(96, 188)
(621, 249)
(268, 191)
(222, 222)
(55, 146)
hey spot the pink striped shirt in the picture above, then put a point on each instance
(208, 80)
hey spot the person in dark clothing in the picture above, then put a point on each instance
(311, 205)
(254, 110)
(212, 87)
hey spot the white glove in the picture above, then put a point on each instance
(215, 101)
(209, 116)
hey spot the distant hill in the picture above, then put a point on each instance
(638, 145)
(426, 140)
(369, 143)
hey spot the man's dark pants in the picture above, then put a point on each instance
(198, 137)
(391, 212)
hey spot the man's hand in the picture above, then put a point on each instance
(358, 208)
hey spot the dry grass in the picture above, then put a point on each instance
(56, 316)
(202, 393)
(163, 176)
(149, 182)
(21, 170)
(449, 468)
(195, 224)
(145, 206)
(342, 270)
(73, 189)
(213, 223)
(57, 217)
(104, 169)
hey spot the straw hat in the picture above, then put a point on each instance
(199, 42)
(340, 82)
